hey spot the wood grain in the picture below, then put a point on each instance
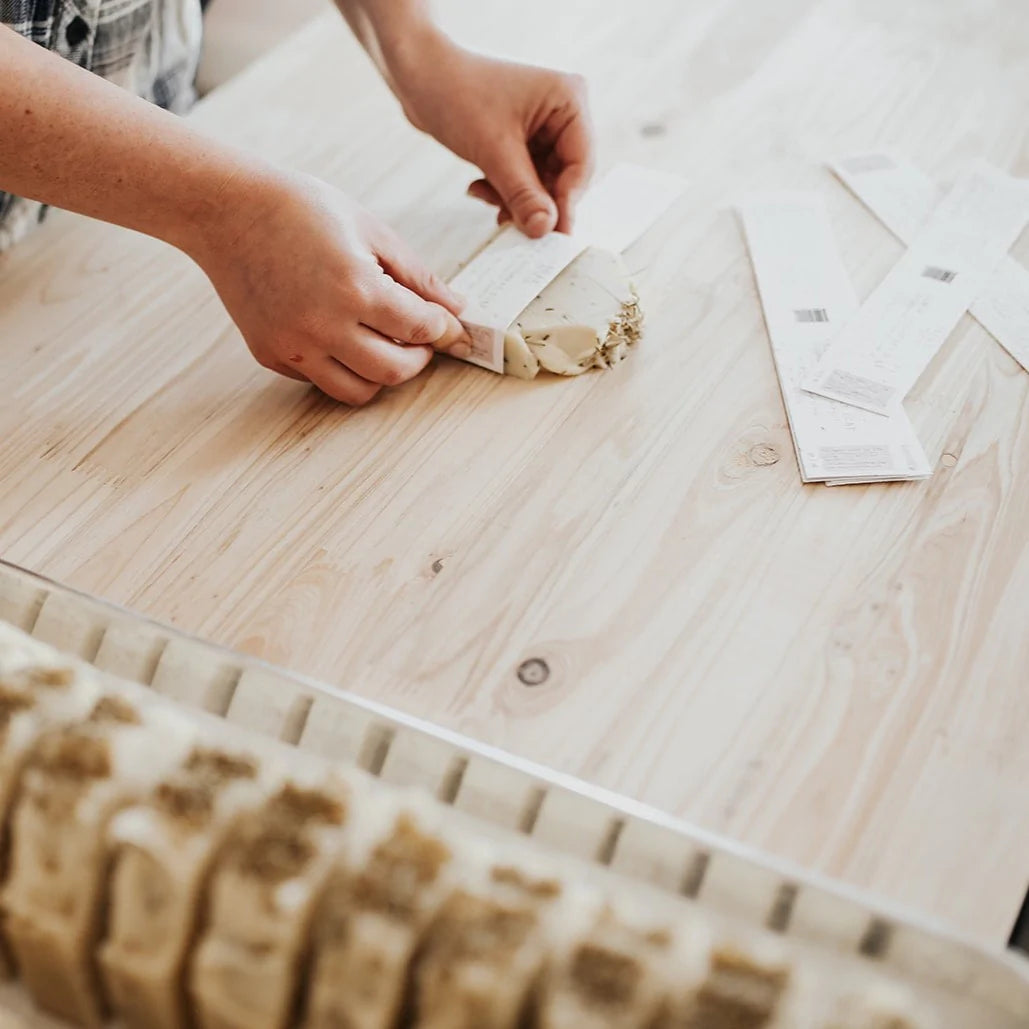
(834, 675)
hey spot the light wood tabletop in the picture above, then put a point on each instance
(835, 675)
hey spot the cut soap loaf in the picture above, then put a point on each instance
(170, 870)
(588, 317)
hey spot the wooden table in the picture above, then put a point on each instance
(836, 675)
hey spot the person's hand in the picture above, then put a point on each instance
(323, 291)
(528, 129)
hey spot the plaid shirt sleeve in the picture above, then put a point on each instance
(149, 47)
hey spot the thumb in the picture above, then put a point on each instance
(514, 177)
(403, 265)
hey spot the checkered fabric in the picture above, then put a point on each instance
(150, 47)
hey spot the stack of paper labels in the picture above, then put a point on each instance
(845, 368)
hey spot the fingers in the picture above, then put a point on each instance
(568, 191)
(409, 303)
(359, 367)
(574, 149)
(340, 383)
(564, 148)
(400, 314)
(379, 360)
(403, 265)
(516, 181)
(561, 155)
(480, 189)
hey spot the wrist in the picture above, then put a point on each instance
(411, 49)
(402, 28)
(416, 69)
(224, 206)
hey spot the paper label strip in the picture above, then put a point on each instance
(512, 270)
(807, 296)
(501, 280)
(620, 208)
(902, 197)
(881, 352)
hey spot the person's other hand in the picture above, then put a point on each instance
(323, 291)
(528, 129)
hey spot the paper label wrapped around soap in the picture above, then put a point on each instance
(512, 270)
(501, 280)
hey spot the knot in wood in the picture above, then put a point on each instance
(762, 454)
(533, 672)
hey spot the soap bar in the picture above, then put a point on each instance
(621, 973)
(76, 779)
(744, 987)
(588, 317)
(261, 904)
(484, 952)
(371, 918)
(34, 697)
(878, 1006)
(162, 850)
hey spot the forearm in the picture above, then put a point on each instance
(72, 140)
(390, 30)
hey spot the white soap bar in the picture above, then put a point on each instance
(588, 317)
(500, 279)
(504, 277)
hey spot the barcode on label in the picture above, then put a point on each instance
(811, 314)
(868, 163)
(939, 274)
